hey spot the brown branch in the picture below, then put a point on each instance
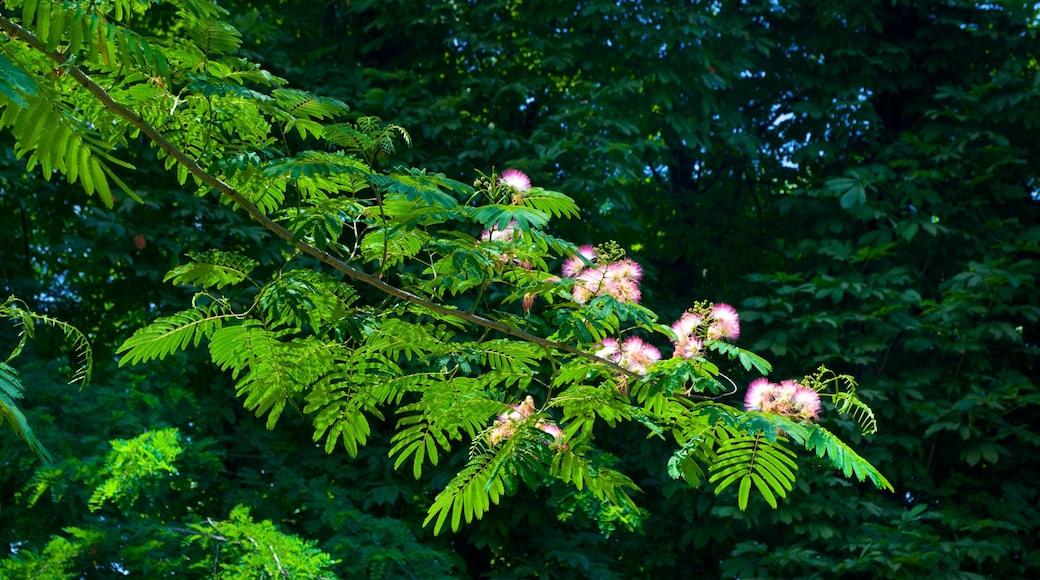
(17, 31)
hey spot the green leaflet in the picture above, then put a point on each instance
(15, 85)
(266, 368)
(65, 146)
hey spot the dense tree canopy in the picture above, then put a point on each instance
(858, 178)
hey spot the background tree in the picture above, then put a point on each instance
(857, 175)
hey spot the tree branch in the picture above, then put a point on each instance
(17, 31)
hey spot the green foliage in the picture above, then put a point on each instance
(885, 214)
(131, 463)
(54, 562)
(244, 548)
(303, 337)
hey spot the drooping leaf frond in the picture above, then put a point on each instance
(456, 413)
(483, 481)
(342, 394)
(264, 366)
(60, 142)
(753, 460)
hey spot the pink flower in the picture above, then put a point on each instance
(633, 353)
(687, 344)
(759, 395)
(516, 179)
(503, 235)
(807, 403)
(628, 269)
(687, 323)
(528, 302)
(575, 264)
(525, 409)
(621, 280)
(618, 279)
(550, 428)
(503, 430)
(637, 355)
(725, 323)
(622, 290)
(506, 423)
(588, 284)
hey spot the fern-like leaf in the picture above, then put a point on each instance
(82, 352)
(60, 142)
(416, 184)
(169, 334)
(470, 493)
(448, 410)
(262, 365)
(214, 37)
(419, 439)
(826, 444)
(212, 269)
(606, 484)
(343, 389)
(753, 460)
(498, 216)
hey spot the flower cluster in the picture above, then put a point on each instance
(788, 398)
(720, 321)
(617, 278)
(632, 353)
(505, 424)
